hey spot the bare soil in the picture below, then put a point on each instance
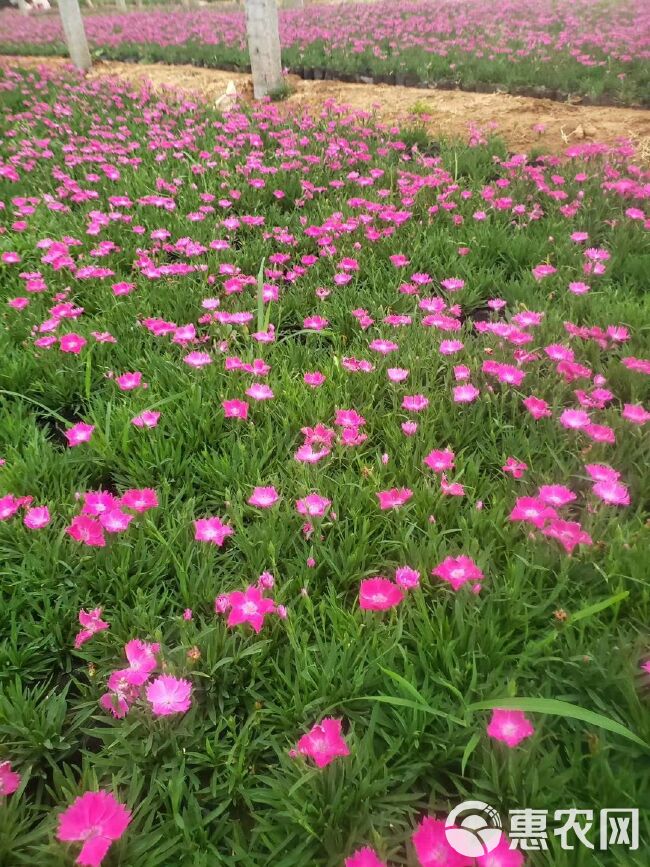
(524, 123)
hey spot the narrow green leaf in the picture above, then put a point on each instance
(555, 707)
(597, 607)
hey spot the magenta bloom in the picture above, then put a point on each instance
(115, 520)
(612, 492)
(394, 498)
(365, 857)
(415, 402)
(235, 408)
(432, 848)
(315, 379)
(142, 660)
(568, 533)
(167, 695)
(263, 498)
(324, 742)
(533, 511)
(379, 594)
(249, 606)
(9, 780)
(96, 818)
(37, 517)
(79, 433)
(197, 359)
(148, 418)
(636, 413)
(515, 467)
(259, 391)
(72, 343)
(537, 407)
(509, 726)
(129, 381)
(458, 571)
(87, 530)
(212, 530)
(439, 461)
(139, 499)
(556, 495)
(313, 505)
(465, 393)
(501, 856)
(91, 623)
(407, 577)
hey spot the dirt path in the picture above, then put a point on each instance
(523, 122)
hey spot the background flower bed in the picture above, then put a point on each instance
(599, 51)
(218, 781)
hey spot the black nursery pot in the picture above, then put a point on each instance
(318, 73)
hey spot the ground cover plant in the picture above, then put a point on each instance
(321, 496)
(598, 50)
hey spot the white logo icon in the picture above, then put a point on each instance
(477, 833)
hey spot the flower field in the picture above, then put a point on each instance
(543, 48)
(321, 484)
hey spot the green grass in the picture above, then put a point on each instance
(217, 785)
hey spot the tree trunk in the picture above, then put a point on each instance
(121, 5)
(263, 34)
(23, 8)
(75, 35)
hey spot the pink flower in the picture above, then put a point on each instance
(148, 418)
(541, 271)
(449, 347)
(235, 408)
(501, 856)
(394, 498)
(142, 660)
(537, 407)
(167, 695)
(451, 489)
(212, 530)
(197, 359)
(602, 473)
(79, 433)
(439, 461)
(409, 428)
(433, 849)
(407, 577)
(259, 391)
(509, 726)
(349, 418)
(365, 857)
(568, 533)
(86, 530)
(313, 505)
(72, 343)
(465, 393)
(533, 511)
(415, 402)
(515, 467)
(458, 571)
(556, 495)
(115, 520)
(383, 347)
(9, 780)
(397, 374)
(37, 517)
(379, 594)
(635, 413)
(249, 606)
(139, 499)
(263, 498)
(129, 381)
(324, 742)
(91, 623)
(452, 284)
(574, 419)
(612, 492)
(96, 818)
(314, 380)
